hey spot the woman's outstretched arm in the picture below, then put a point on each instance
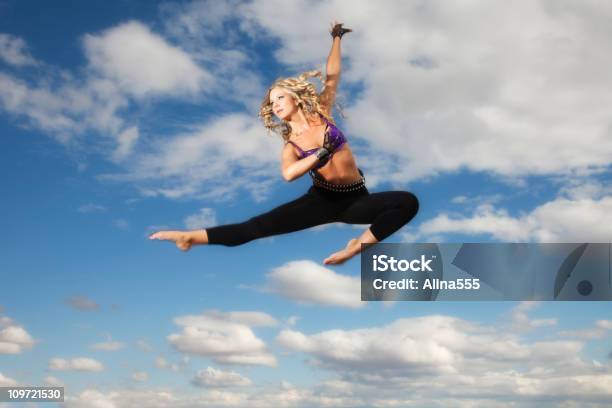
(332, 69)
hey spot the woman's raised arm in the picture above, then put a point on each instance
(332, 70)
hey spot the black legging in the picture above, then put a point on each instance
(387, 212)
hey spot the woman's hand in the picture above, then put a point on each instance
(337, 30)
(327, 143)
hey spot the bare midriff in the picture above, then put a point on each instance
(341, 169)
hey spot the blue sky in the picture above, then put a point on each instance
(122, 118)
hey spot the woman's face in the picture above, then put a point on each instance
(283, 104)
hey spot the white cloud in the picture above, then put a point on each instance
(559, 220)
(6, 381)
(510, 103)
(477, 200)
(585, 334)
(244, 317)
(604, 324)
(579, 188)
(486, 220)
(75, 364)
(441, 358)
(53, 381)
(600, 330)
(91, 398)
(197, 163)
(201, 27)
(202, 20)
(226, 338)
(308, 282)
(13, 50)
(459, 84)
(125, 64)
(428, 345)
(108, 346)
(492, 390)
(284, 395)
(142, 62)
(154, 398)
(214, 378)
(205, 218)
(387, 348)
(14, 339)
(41, 105)
(521, 321)
(126, 140)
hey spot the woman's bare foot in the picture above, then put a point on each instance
(352, 248)
(182, 239)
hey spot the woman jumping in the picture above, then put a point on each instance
(313, 144)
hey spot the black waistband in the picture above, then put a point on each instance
(320, 182)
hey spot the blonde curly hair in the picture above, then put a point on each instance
(305, 95)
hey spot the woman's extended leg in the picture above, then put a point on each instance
(304, 212)
(387, 212)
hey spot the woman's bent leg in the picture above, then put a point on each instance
(387, 212)
(306, 211)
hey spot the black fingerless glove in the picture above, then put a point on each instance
(339, 31)
(327, 144)
(323, 155)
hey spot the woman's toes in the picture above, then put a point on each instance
(336, 258)
(160, 235)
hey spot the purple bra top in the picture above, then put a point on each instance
(333, 137)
